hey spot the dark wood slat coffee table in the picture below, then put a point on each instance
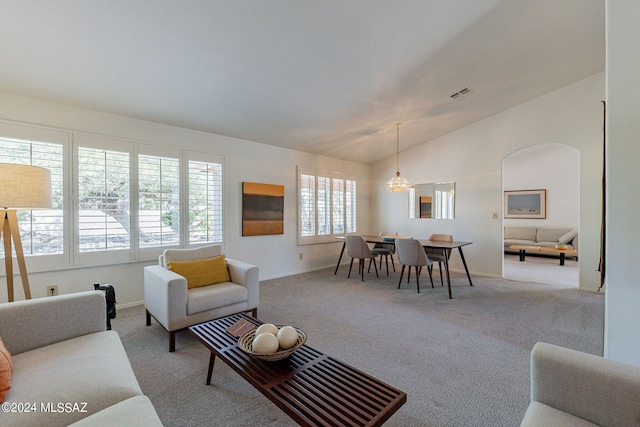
(311, 387)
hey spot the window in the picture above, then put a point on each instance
(337, 203)
(324, 205)
(205, 202)
(307, 205)
(103, 200)
(129, 199)
(327, 206)
(158, 201)
(412, 202)
(41, 231)
(444, 204)
(350, 206)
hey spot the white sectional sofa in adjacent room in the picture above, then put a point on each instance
(540, 236)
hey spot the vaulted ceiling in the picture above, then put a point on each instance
(330, 77)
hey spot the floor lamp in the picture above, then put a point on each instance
(22, 187)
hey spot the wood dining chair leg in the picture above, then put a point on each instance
(430, 268)
(392, 263)
(401, 274)
(418, 270)
(387, 260)
(350, 267)
(440, 268)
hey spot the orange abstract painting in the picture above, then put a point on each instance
(262, 209)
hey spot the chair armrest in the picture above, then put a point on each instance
(29, 324)
(599, 390)
(246, 275)
(165, 294)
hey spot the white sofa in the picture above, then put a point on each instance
(69, 366)
(540, 236)
(571, 388)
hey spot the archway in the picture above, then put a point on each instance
(554, 168)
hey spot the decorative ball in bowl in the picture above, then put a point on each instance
(284, 337)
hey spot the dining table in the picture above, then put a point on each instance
(446, 248)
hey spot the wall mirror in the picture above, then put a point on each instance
(432, 200)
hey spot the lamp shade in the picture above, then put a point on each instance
(397, 184)
(24, 187)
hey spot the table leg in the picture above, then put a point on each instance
(446, 267)
(344, 245)
(465, 264)
(561, 258)
(521, 252)
(212, 360)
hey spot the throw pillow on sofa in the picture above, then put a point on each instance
(6, 369)
(567, 237)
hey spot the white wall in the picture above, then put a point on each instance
(472, 157)
(276, 255)
(622, 321)
(553, 167)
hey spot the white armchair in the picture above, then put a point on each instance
(168, 299)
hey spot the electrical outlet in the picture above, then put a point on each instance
(52, 290)
(300, 256)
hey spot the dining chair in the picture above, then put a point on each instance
(385, 249)
(411, 253)
(438, 255)
(357, 248)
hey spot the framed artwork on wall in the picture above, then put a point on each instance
(262, 209)
(425, 206)
(526, 204)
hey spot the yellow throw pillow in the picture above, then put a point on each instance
(202, 272)
(6, 369)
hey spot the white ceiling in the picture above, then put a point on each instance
(330, 77)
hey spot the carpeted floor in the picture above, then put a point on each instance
(542, 269)
(462, 362)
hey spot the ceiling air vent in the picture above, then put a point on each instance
(462, 93)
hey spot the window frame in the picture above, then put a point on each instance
(48, 136)
(71, 257)
(116, 256)
(202, 157)
(151, 252)
(349, 206)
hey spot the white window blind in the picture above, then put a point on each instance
(205, 202)
(326, 206)
(41, 231)
(158, 201)
(444, 205)
(350, 206)
(337, 205)
(103, 200)
(307, 205)
(412, 202)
